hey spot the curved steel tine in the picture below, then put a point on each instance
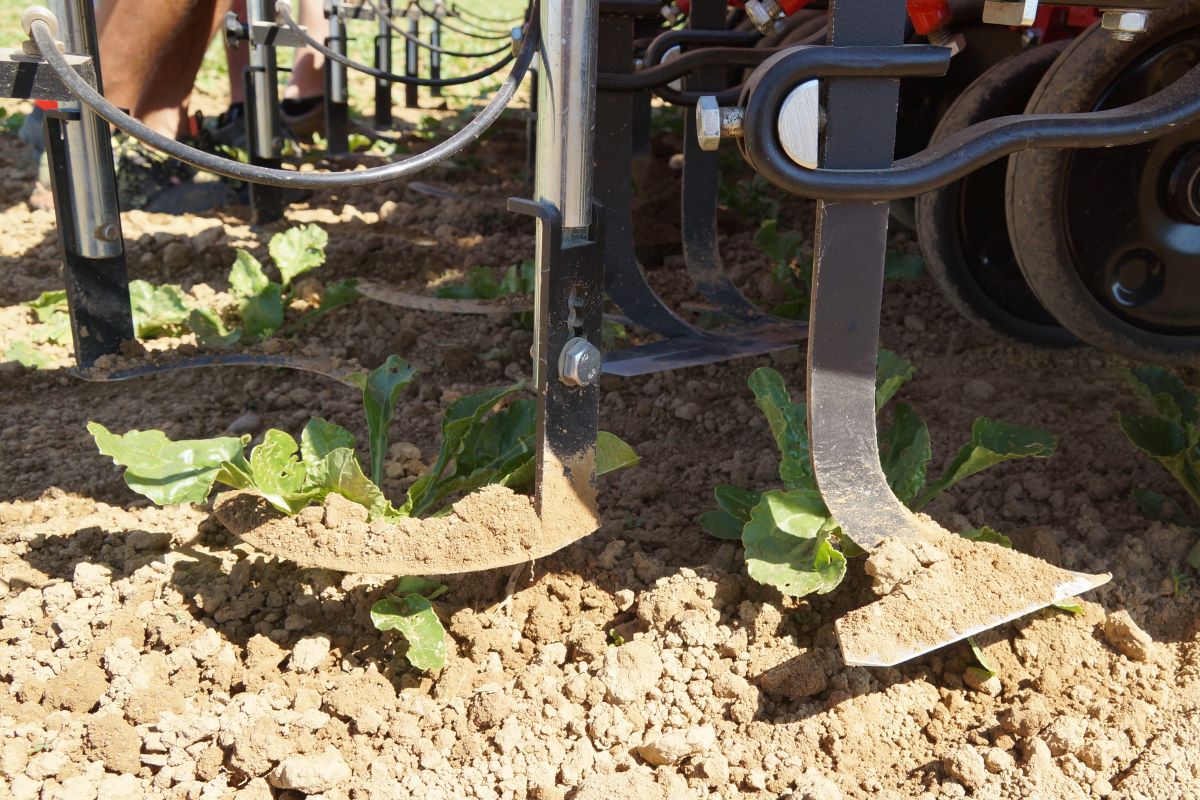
(124, 372)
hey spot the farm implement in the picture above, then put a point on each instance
(1053, 152)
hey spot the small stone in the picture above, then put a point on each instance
(1124, 634)
(310, 774)
(1065, 735)
(688, 411)
(90, 579)
(630, 671)
(249, 422)
(966, 765)
(673, 747)
(812, 785)
(489, 709)
(756, 779)
(176, 255)
(978, 389)
(982, 680)
(625, 599)
(308, 653)
(997, 760)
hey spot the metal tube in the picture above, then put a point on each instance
(566, 111)
(412, 60)
(90, 172)
(265, 140)
(383, 62)
(435, 57)
(338, 79)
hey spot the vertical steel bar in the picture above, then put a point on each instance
(383, 61)
(412, 59)
(566, 110)
(851, 243)
(337, 108)
(435, 58)
(266, 140)
(90, 167)
(83, 180)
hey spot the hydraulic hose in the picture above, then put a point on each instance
(86, 94)
(449, 27)
(426, 45)
(284, 9)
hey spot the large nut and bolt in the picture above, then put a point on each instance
(1124, 24)
(579, 363)
(714, 123)
(763, 14)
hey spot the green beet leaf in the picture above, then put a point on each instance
(157, 310)
(991, 443)
(168, 471)
(48, 304)
(320, 438)
(340, 472)
(298, 250)
(986, 534)
(518, 279)
(891, 372)
(787, 421)
(247, 278)
(736, 501)
(503, 436)
(25, 354)
(1168, 393)
(279, 475)
(481, 284)
(722, 525)
(210, 331)
(381, 391)
(787, 544)
(613, 454)
(902, 267)
(262, 314)
(904, 451)
(412, 616)
(458, 424)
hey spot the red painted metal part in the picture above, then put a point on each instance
(929, 15)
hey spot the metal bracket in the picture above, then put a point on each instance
(25, 77)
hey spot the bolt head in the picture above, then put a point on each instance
(579, 363)
(1127, 21)
(708, 123)
(760, 15)
(108, 232)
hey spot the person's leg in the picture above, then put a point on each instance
(308, 69)
(150, 52)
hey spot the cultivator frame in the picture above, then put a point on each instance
(592, 101)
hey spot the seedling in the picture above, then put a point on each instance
(482, 284)
(791, 541)
(53, 327)
(792, 270)
(483, 442)
(1171, 437)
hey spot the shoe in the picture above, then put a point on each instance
(142, 173)
(304, 116)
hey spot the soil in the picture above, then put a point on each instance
(940, 587)
(148, 653)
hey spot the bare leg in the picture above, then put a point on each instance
(308, 78)
(151, 51)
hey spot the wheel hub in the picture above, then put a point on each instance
(1183, 187)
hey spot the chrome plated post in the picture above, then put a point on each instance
(97, 218)
(566, 111)
(265, 138)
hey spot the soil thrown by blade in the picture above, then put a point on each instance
(941, 588)
(493, 527)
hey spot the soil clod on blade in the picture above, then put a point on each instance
(493, 527)
(939, 588)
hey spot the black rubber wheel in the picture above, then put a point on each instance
(962, 227)
(1109, 238)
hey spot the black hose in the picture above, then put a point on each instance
(449, 27)
(208, 162)
(662, 74)
(457, 9)
(426, 45)
(282, 8)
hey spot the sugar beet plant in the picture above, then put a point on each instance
(487, 438)
(791, 541)
(258, 311)
(1172, 438)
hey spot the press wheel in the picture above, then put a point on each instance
(1109, 238)
(962, 227)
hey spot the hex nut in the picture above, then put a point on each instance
(579, 363)
(708, 123)
(762, 13)
(1127, 21)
